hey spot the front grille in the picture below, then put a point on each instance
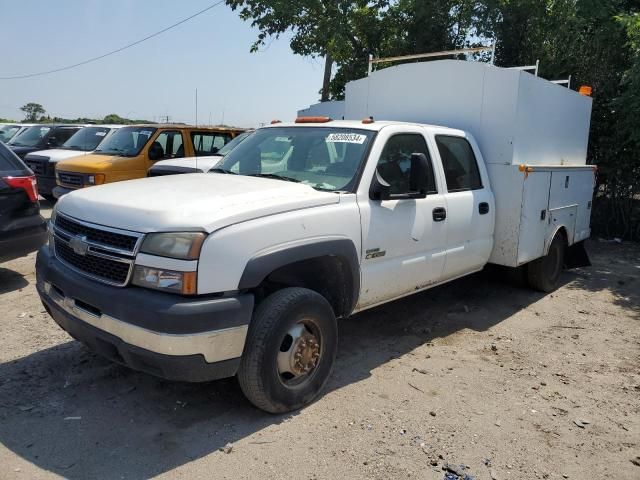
(104, 237)
(102, 268)
(38, 165)
(73, 179)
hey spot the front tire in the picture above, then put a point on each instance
(544, 273)
(290, 350)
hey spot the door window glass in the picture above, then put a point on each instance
(459, 163)
(208, 143)
(394, 165)
(171, 144)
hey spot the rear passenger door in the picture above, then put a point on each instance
(469, 204)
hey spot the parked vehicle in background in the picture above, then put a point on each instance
(194, 164)
(10, 130)
(22, 228)
(245, 271)
(43, 162)
(132, 150)
(40, 137)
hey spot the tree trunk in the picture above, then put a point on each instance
(328, 63)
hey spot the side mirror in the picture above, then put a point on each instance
(380, 189)
(214, 150)
(419, 176)
(52, 142)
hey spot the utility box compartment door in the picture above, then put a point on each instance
(534, 216)
(574, 187)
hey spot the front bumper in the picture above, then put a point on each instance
(58, 192)
(22, 241)
(165, 335)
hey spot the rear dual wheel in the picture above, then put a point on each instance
(544, 273)
(290, 350)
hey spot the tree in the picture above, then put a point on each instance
(347, 32)
(32, 110)
(341, 31)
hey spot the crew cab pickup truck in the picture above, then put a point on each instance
(245, 271)
(43, 162)
(131, 151)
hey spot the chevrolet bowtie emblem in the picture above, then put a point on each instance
(79, 244)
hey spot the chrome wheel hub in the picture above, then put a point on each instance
(299, 353)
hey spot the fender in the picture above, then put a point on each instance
(260, 266)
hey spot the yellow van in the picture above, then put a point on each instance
(129, 153)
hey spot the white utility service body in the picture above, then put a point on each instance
(261, 267)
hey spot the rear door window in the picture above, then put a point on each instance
(208, 143)
(459, 163)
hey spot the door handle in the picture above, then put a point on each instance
(483, 208)
(439, 214)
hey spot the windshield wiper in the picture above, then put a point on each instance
(221, 170)
(275, 176)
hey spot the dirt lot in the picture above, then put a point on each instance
(510, 383)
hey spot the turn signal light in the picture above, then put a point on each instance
(585, 90)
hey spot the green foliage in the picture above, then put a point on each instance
(31, 111)
(597, 42)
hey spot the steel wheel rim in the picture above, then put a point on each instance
(300, 353)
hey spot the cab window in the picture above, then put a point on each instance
(459, 163)
(208, 143)
(394, 165)
(171, 143)
(63, 134)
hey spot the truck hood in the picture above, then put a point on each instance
(190, 202)
(202, 164)
(57, 154)
(89, 163)
(22, 151)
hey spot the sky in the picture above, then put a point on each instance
(157, 78)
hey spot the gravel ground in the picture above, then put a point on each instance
(507, 383)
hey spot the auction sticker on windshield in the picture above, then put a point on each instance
(346, 138)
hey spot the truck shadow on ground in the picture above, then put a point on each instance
(77, 415)
(616, 269)
(11, 281)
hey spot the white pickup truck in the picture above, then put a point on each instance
(245, 271)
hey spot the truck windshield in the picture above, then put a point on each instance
(31, 137)
(86, 139)
(126, 142)
(8, 131)
(323, 157)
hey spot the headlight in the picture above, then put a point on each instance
(184, 246)
(94, 179)
(167, 280)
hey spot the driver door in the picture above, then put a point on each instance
(403, 238)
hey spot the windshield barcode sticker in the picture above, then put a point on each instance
(346, 138)
(100, 134)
